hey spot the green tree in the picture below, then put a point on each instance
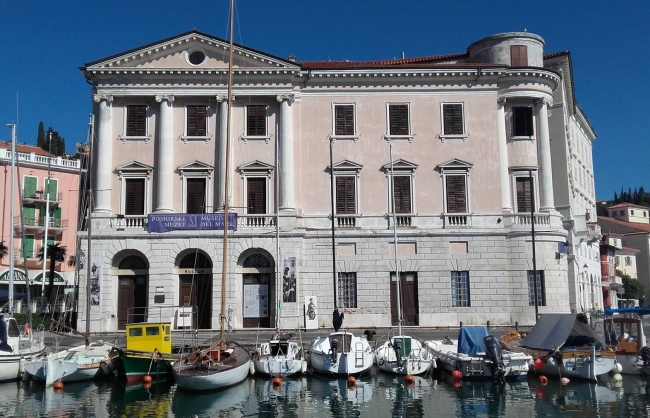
(633, 288)
(616, 199)
(40, 139)
(56, 254)
(58, 143)
(3, 250)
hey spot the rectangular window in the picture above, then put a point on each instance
(256, 120)
(524, 194)
(541, 289)
(344, 120)
(196, 120)
(347, 290)
(195, 196)
(522, 121)
(136, 120)
(453, 121)
(398, 120)
(622, 213)
(134, 197)
(345, 195)
(628, 261)
(29, 187)
(456, 194)
(645, 214)
(519, 55)
(402, 195)
(460, 289)
(256, 195)
(632, 212)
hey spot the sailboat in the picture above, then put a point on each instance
(340, 353)
(401, 354)
(224, 363)
(16, 347)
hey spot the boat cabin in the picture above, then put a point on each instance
(622, 329)
(148, 336)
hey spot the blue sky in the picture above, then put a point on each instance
(42, 44)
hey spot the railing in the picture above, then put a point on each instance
(32, 254)
(346, 221)
(128, 222)
(401, 220)
(255, 220)
(39, 195)
(525, 219)
(458, 219)
(5, 154)
(40, 222)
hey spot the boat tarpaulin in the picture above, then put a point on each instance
(636, 311)
(470, 340)
(560, 331)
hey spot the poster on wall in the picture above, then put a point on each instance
(95, 288)
(311, 313)
(256, 301)
(289, 280)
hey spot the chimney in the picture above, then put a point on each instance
(292, 58)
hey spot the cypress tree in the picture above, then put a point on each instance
(616, 201)
(40, 139)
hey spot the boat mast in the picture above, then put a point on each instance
(89, 226)
(532, 236)
(333, 218)
(224, 260)
(46, 220)
(397, 278)
(277, 240)
(10, 241)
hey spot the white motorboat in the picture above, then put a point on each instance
(477, 355)
(279, 357)
(340, 353)
(83, 362)
(16, 348)
(403, 355)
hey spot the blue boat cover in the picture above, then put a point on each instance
(637, 311)
(470, 340)
(561, 331)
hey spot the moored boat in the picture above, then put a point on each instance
(403, 355)
(563, 345)
(279, 357)
(16, 348)
(340, 353)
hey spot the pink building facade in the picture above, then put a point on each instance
(472, 160)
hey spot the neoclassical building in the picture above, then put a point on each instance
(472, 176)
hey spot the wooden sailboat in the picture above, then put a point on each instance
(401, 354)
(16, 346)
(224, 363)
(340, 353)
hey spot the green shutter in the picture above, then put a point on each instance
(29, 187)
(57, 214)
(29, 214)
(53, 188)
(27, 247)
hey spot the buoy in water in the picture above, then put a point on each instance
(457, 374)
(146, 385)
(58, 385)
(617, 377)
(147, 379)
(538, 364)
(564, 381)
(457, 384)
(277, 381)
(352, 382)
(409, 378)
(543, 380)
(617, 368)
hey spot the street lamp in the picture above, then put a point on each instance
(585, 269)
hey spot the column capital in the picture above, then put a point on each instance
(548, 102)
(99, 97)
(224, 97)
(501, 101)
(288, 97)
(168, 97)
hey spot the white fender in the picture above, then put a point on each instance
(251, 368)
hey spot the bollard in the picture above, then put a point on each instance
(488, 325)
(517, 326)
(461, 324)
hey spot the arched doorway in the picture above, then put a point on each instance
(196, 287)
(132, 291)
(257, 271)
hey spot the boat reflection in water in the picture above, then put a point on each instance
(578, 399)
(211, 403)
(136, 399)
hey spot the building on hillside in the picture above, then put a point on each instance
(630, 212)
(31, 197)
(572, 139)
(472, 160)
(626, 261)
(635, 236)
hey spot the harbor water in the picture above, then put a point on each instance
(375, 395)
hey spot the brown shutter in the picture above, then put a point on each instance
(344, 120)
(398, 117)
(402, 185)
(136, 120)
(256, 120)
(134, 197)
(518, 55)
(453, 119)
(345, 195)
(524, 194)
(195, 196)
(456, 194)
(256, 195)
(196, 120)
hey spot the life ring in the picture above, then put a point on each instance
(28, 329)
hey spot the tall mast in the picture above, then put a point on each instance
(397, 278)
(277, 240)
(333, 216)
(89, 224)
(224, 260)
(46, 220)
(10, 241)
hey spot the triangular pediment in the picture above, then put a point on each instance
(455, 164)
(134, 166)
(347, 165)
(174, 54)
(401, 165)
(195, 166)
(257, 166)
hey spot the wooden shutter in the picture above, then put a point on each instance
(196, 120)
(52, 188)
(195, 195)
(524, 194)
(344, 120)
(29, 187)
(256, 120)
(456, 194)
(134, 199)
(453, 119)
(518, 55)
(398, 117)
(522, 118)
(136, 120)
(402, 185)
(256, 195)
(345, 195)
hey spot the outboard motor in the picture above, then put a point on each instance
(645, 356)
(493, 353)
(397, 347)
(334, 346)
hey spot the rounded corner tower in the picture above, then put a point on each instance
(517, 49)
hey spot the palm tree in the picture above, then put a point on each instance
(3, 250)
(56, 253)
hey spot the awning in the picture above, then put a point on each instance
(19, 276)
(557, 330)
(58, 279)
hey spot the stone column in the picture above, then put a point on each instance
(220, 172)
(286, 152)
(165, 162)
(544, 158)
(504, 178)
(103, 165)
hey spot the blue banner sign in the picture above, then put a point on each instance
(159, 222)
